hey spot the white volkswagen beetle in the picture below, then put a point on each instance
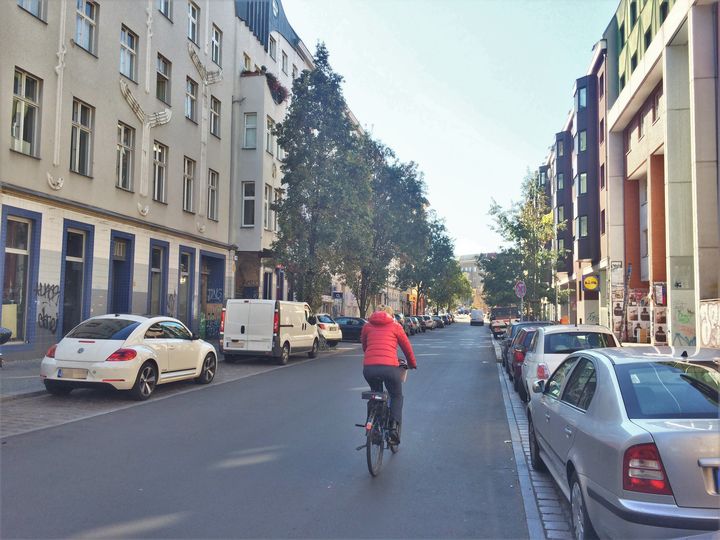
(127, 352)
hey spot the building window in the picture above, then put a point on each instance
(633, 14)
(191, 92)
(250, 130)
(81, 138)
(272, 48)
(165, 7)
(583, 141)
(648, 38)
(188, 184)
(36, 7)
(583, 227)
(561, 247)
(128, 53)
(601, 85)
(269, 135)
(248, 207)
(164, 69)
(215, 116)
(247, 63)
(641, 124)
(582, 97)
(25, 114)
(602, 176)
(160, 156)
(601, 135)
(267, 217)
(16, 276)
(583, 183)
(663, 11)
(560, 148)
(86, 20)
(284, 62)
(656, 106)
(561, 214)
(633, 62)
(622, 82)
(276, 201)
(560, 181)
(602, 221)
(294, 72)
(216, 45)
(158, 269)
(192, 26)
(621, 35)
(124, 166)
(212, 194)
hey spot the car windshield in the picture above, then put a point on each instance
(116, 329)
(325, 319)
(670, 389)
(569, 342)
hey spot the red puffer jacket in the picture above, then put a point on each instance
(380, 339)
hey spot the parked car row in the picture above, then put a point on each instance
(630, 435)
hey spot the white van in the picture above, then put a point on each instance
(267, 328)
(477, 317)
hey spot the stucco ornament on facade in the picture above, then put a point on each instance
(148, 121)
(55, 183)
(60, 71)
(148, 50)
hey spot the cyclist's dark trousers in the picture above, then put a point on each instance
(375, 375)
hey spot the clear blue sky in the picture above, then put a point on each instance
(471, 90)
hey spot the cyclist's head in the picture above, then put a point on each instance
(387, 309)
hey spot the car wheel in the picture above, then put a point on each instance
(207, 372)
(57, 388)
(284, 354)
(145, 382)
(332, 344)
(582, 529)
(535, 460)
(523, 392)
(313, 351)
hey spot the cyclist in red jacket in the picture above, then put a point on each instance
(380, 339)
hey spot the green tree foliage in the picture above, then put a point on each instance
(450, 287)
(528, 227)
(500, 271)
(325, 182)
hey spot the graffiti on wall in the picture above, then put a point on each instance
(592, 318)
(710, 323)
(48, 296)
(171, 303)
(683, 326)
(215, 296)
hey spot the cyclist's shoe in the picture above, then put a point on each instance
(394, 433)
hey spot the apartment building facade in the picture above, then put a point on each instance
(116, 167)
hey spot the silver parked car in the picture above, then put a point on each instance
(631, 436)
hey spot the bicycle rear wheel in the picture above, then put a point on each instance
(374, 445)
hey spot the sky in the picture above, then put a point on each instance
(473, 91)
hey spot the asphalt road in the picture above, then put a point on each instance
(273, 455)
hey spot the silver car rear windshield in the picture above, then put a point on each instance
(569, 342)
(117, 329)
(670, 389)
(325, 319)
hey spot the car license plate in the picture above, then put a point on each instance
(72, 373)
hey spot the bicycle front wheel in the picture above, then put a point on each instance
(374, 445)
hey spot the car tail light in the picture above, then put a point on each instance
(222, 322)
(519, 356)
(322, 326)
(122, 355)
(542, 372)
(51, 351)
(643, 470)
(276, 322)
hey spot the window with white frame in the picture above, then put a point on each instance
(267, 217)
(165, 7)
(583, 140)
(248, 204)
(560, 148)
(216, 45)
(583, 226)
(272, 48)
(81, 138)
(560, 181)
(86, 18)
(36, 7)
(561, 247)
(250, 130)
(294, 72)
(193, 13)
(188, 184)
(125, 156)
(583, 183)
(160, 160)
(284, 62)
(128, 53)
(214, 116)
(582, 97)
(191, 93)
(212, 194)
(269, 135)
(25, 119)
(561, 213)
(164, 70)
(247, 62)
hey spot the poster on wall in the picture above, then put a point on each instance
(660, 329)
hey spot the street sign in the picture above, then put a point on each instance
(520, 289)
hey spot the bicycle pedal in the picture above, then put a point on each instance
(360, 447)
(359, 425)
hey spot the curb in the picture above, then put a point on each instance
(15, 397)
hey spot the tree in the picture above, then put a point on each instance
(325, 184)
(396, 208)
(500, 271)
(451, 286)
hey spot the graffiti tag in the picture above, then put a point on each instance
(215, 296)
(48, 295)
(171, 300)
(710, 323)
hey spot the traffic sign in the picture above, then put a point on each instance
(520, 289)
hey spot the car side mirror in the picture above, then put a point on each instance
(538, 387)
(312, 319)
(195, 337)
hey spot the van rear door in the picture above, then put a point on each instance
(260, 327)
(237, 313)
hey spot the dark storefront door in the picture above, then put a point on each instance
(212, 294)
(120, 275)
(74, 283)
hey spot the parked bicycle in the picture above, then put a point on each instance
(377, 428)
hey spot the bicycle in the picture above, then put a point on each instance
(377, 428)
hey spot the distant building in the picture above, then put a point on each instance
(469, 268)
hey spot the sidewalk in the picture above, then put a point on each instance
(20, 378)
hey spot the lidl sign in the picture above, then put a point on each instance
(591, 283)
